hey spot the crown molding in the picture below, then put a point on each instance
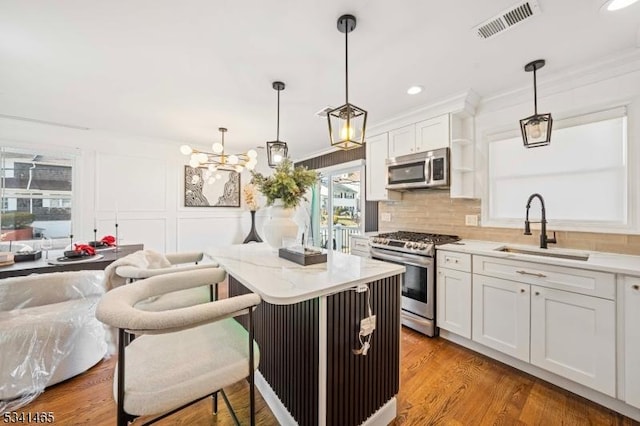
(465, 102)
(551, 84)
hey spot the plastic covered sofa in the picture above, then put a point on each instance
(48, 332)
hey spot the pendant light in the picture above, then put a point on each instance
(277, 150)
(536, 130)
(347, 123)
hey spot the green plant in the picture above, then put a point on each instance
(286, 183)
(16, 219)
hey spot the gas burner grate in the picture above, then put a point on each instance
(419, 237)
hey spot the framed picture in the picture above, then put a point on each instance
(211, 192)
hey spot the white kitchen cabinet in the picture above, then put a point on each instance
(557, 318)
(423, 136)
(501, 314)
(377, 151)
(632, 340)
(402, 141)
(433, 133)
(573, 335)
(453, 292)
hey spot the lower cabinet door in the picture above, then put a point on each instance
(501, 315)
(453, 301)
(632, 340)
(573, 335)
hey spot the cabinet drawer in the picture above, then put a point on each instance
(592, 283)
(454, 260)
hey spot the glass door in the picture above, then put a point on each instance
(338, 206)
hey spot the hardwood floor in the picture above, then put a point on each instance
(441, 383)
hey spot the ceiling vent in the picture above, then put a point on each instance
(507, 19)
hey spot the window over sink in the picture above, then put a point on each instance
(584, 176)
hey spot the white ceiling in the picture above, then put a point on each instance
(178, 70)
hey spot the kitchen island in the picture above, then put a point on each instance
(308, 327)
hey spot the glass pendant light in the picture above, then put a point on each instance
(347, 122)
(277, 150)
(536, 130)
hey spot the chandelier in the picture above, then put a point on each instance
(347, 122)
(218, 160)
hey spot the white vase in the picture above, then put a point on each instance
(279, 225)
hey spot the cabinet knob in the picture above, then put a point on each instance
(635, 287)
(537, 293)
(522, 290)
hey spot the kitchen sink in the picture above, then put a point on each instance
(555, 254)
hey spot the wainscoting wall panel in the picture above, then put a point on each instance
(201, 232)
(129, 183)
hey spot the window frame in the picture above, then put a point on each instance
(73, 155)
(631, 224)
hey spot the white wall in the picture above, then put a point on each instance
(143, 179)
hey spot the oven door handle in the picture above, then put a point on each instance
(377, 254)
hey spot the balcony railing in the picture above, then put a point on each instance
(340, 237)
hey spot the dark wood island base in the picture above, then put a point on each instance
(307, 361)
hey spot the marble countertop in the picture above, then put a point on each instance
(598, 261)
(281, 282)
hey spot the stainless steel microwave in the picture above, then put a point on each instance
(427, 169)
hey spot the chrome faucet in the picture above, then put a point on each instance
(543, 223)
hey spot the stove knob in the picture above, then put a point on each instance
(411, 245)
(423, 246)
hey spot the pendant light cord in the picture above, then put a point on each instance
(278, 120)
(535, 93)
(346, 60)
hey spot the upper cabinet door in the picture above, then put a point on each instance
(432, 133)
(376, 169)
(402, 141)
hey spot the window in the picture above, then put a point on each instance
(582, 176)
(36, 190)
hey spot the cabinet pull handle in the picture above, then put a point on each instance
(535, 274)
(635, 287)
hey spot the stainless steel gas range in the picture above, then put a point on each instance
(415, 251)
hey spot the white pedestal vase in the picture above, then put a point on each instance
(279, 225)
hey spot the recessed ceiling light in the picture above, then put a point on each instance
(414, 90)
(612, 5)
